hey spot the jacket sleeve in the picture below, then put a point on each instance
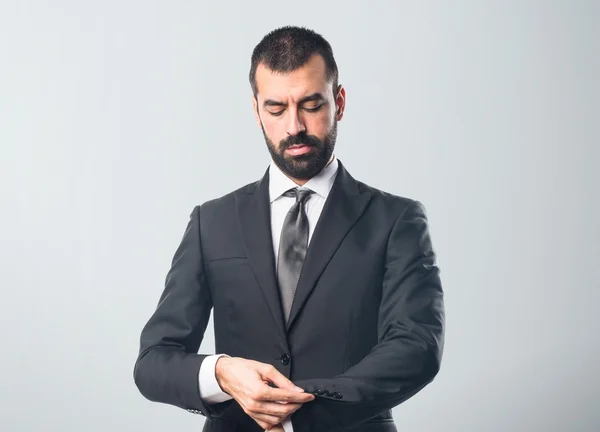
(410, 336)
(168, 364)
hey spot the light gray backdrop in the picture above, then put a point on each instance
(117, 117)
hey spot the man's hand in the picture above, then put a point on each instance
(247, 382)
(277, 428)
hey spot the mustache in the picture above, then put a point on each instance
(300, 138)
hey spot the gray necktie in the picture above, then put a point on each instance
(292, 248)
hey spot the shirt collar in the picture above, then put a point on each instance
(321, 184)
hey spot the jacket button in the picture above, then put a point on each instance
(337, 395)
(285, 359)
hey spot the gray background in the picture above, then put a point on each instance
(117, 117)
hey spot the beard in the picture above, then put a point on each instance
(304, 166)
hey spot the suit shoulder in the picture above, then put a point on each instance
(392, 203)
(225, 202)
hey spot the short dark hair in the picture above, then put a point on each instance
(288, 48)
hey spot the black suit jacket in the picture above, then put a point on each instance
(366, 328)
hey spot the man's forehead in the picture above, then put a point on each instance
(308, 79)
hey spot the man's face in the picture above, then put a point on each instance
(298, 114)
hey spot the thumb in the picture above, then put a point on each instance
(280, 380)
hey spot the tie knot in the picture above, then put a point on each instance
(301, 195)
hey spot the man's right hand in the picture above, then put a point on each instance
(247, 382)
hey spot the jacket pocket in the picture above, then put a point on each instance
(227, 260)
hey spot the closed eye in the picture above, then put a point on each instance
(315, 109)
(312, 109)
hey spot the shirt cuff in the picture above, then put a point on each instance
(287, 425)
(210, 390)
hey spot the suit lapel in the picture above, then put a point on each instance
(253, 208)
(344, 205)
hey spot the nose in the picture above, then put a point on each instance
(295, 123)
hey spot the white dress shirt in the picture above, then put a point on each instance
(279, 183)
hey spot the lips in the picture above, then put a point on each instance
(298, 149)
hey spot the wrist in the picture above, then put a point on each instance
(220, 369)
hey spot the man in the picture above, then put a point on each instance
(328, 306)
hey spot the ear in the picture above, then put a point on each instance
(255, 108)
(340, 102)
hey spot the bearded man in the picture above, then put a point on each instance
(328, 305)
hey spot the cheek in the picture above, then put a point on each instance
(269, 123)
(321, 124)
(273, 129)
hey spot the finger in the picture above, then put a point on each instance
(281, 395)
(291, 409)
(255, 407)
(265, 421)
(276, 409)
(269, 413)
(264, 426)
(277, 378)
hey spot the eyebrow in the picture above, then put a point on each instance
(311, 98)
